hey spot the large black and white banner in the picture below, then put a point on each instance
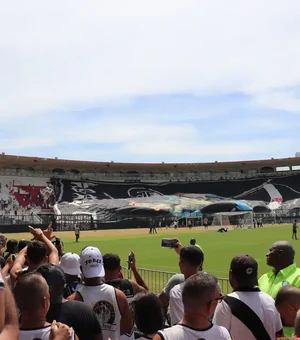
(105, 199)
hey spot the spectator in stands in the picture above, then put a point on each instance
(22, 244)
(32, 297)
(2, 262)
(35, 254)
(109, 304)
(288, 304)
(70, 264)
(3, 240)
(297, 325)
(190, 260)
(75, 314)
(174, 280)
(59, 244)
(200, 296)
(247, 313)
(285, 272)
(147, 314)
(11, 248)
(9, 328)
(112, 266)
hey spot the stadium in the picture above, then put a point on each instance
(113, 204)
(101, 195)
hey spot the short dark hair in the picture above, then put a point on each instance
(22, 244)
(36, 251)
(147, 313)
(11, 245)
(28, 291)
(111, 261)
(192, 255)
(198, 290)
(55, 277)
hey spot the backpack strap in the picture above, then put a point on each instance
(248, 317)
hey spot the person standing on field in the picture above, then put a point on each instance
(77, 233)
(295, 227)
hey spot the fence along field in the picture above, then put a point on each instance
(160, 263)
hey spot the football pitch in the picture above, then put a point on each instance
(219, 248)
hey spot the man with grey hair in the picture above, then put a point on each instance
(200, 296)
(284, 273)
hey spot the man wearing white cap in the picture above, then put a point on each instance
(109, 304)
(70, 264)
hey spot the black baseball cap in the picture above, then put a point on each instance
(245, 269)
(53, 274)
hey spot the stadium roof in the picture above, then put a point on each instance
(46, 164)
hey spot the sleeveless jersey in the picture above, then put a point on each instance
(126, 287)
(182, 332)
(37, 334)
(103, 300)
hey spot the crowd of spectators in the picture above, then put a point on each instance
(46, 293)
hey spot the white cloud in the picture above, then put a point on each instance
(78, 55)
(288, 100)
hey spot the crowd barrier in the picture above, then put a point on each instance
(156, 279)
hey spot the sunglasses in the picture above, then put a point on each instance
(219, 299)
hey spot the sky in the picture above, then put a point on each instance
(150, 81)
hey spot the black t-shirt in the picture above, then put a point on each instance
(78, 315)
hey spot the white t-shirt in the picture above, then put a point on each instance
(37, 334)
(261, 303)
(176, 304)
(182, 332)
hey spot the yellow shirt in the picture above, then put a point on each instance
(271, 284)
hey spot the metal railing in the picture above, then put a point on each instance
(156, 280)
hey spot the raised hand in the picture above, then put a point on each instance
(48, 232)
(37, 233)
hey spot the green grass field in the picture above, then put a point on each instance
(218, 248)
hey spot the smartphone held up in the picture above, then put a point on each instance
(169, 242)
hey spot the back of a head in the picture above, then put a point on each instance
(29, 291)
(12, 246)
(22, 244)
(36, 252)
(287, 295)
(286, 249)
(54, 277)
(297, 324)
(111, 262)
(192, 256)
(199, 290)
(147, 313)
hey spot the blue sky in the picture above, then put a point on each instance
(172, 81)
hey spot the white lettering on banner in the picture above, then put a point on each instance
(83, 190)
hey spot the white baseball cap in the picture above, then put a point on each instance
(70, 264)
(91, 262)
